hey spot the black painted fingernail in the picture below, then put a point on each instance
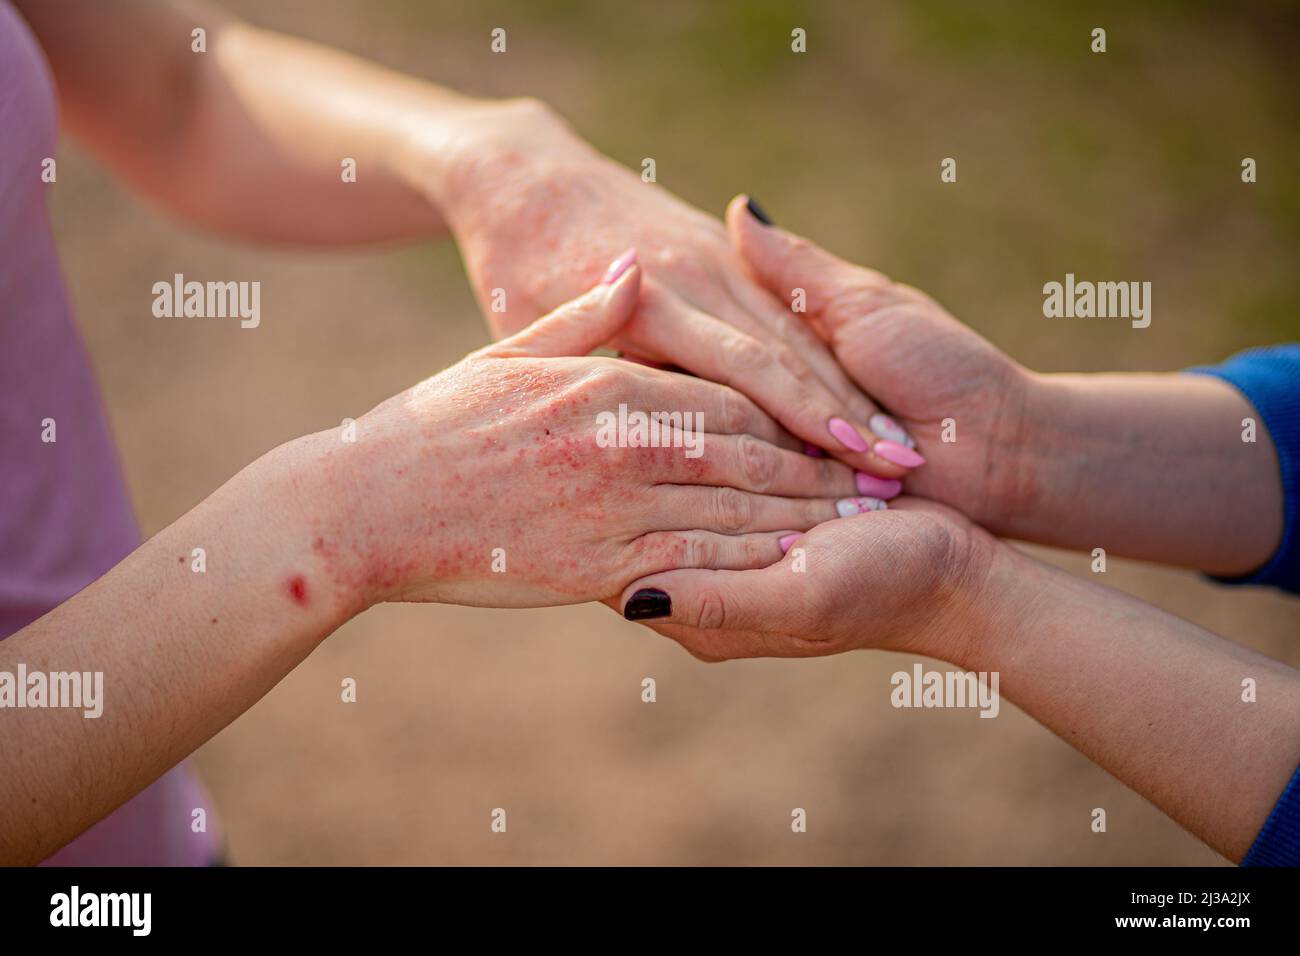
(648, 603)
(756, 211)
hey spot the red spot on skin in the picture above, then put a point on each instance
(297, 588)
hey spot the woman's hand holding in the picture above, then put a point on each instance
(913, 357)
(493, 483)
(1146, 466)
(910, 578)
(537, 214)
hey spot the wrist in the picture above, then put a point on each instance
(463, 147)
(1034, 441)
(315, 494)
(983, 605)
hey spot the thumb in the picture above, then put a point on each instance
(834, 291)
(716, 614)
(581, 324)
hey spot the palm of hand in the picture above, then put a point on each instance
(892, 580)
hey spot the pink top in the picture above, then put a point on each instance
(65, 518)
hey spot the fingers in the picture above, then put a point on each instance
(731, 511)
(725, 411)
(721, 614)
(750, 464)
(666, 550)
(581, 324)
(833, 291)
(805, 342)
(772, 375)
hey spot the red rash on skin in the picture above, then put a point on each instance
(297, 588)
(534, 427)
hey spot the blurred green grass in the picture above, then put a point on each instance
(1122, 166)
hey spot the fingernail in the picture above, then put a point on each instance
(884, 488)
(846, 435)
(648, 603)
(786, 540)
(618, 267)
(812, 451)
(898, 454)
(885, 427)
(756, 211)
(848, 507)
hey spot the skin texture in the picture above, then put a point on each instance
(1145, 466)
(320, 529)
(247, 140)
(501, 451)
(1153, 699)
(511, 182)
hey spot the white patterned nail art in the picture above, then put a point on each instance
(888, 429)
(847, 507)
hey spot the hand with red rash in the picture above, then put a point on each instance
(537, 214)
(487, 484)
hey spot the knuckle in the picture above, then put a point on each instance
(700, 551)
(744, 353)
(815, 511)
(603, 380)
(759, 461)
(800, 246)
(710, 612)
(735, 412)
(755, 551)
(732, 510)
(791, 361)
(870, 293)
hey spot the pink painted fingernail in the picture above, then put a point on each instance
(846, 435)
(786, 540)
(848, 507)
(885, 488)
(888, 429)
(620, 265)
(812, 451)
(898, 454)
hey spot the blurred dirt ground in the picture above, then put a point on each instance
(1118, 166)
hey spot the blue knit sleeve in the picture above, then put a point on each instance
(1278, 844)
(1270, 380)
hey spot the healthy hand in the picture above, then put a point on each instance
(487, 483)
(1074, 461)
(538, 213)
(902, 579)
(914, 358)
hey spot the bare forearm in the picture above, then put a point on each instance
(1155, 700)
(1151, 467)
(250, 137)
(184, 643)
